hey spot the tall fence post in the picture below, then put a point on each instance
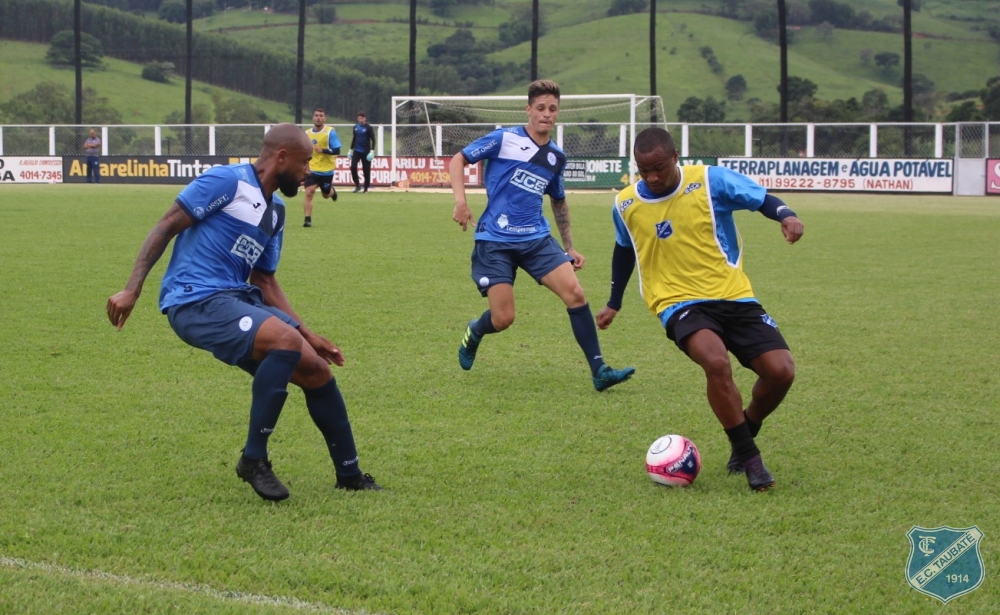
(873, 141)
(748, 140)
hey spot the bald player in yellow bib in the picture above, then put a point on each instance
(676, 223)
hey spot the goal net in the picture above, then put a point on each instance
(595, 131)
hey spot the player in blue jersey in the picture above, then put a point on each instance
(523, 166)
(677, 225)
(220, 294)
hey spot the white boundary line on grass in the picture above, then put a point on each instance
(191, 588)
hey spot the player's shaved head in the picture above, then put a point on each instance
(285, 136)
(652, 138)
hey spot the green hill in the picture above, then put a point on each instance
(140, 101)
(586, 51)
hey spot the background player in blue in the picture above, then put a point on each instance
(362, 150)
(677, 224)
(229, 226)
(523, 165)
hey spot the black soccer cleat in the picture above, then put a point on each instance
(758, 477)
(358, 482)
(308, 222)
(333, 194)
(734, 465)
(261, 477)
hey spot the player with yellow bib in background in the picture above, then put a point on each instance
(326, 146)
(677, 224)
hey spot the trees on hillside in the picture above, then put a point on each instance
(52, 103)
(62, 53)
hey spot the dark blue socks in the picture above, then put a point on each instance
(484, 326)
(585, 331)
(270, 388)
(328, 411)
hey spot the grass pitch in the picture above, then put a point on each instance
(513, 488)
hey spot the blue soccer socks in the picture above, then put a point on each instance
(329, 413)
(270, 388)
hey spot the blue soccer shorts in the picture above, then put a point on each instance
(225, 324)
(496, 262)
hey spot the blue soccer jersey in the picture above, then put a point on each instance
(235, 230)
(519, 172)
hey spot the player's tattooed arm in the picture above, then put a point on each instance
(560, 210)
(170, 225)
(120, 305)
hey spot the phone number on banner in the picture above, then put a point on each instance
(857, 175)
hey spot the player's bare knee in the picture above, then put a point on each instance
(783, 375)
(717, 366)
(502, 321)
(312, 372)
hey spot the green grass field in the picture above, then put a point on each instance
(512, 488)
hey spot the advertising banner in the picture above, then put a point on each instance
(30, 170)
(143, 169)
(411, 172)
(607, 172)
(847, 174)
(993, 177)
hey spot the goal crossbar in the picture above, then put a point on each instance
(433, 124)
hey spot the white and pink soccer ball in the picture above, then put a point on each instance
(673, 460)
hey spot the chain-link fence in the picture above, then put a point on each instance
(585, 139)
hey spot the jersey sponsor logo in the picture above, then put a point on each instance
(479, 151)
(529, 182)
(248, 248)
(626, 204)
(504, 225)
(664, 229)
(551, 158)
(691, 188)
(217, 203)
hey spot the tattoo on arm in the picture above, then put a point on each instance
(560, 210)
(172, 223)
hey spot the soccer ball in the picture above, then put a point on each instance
(673, 460)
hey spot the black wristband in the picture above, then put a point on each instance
(775, 209)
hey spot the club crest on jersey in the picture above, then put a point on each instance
(664, 229)
(248, 248)
(551, 158)
(691, 187)
(502, 221)
(944, 562)
(529, 182)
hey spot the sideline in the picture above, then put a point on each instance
(190, 588)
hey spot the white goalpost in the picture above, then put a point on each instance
(590, 125)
